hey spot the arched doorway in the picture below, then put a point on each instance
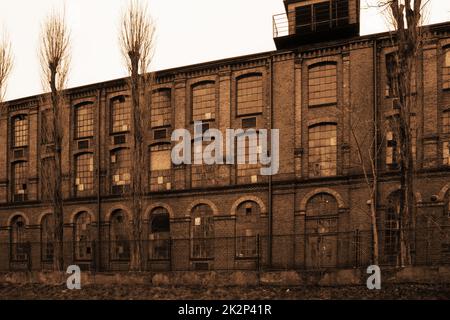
(20, 247)
(47, 236)
(119, 236)
(391, 229)
(83, 236)
(202, 231)
(159, 234)
(248, 227)
(321, 231)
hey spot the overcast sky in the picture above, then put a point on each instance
(189, 31)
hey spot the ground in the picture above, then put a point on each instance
(149, 292)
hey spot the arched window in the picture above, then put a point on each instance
(161, 111)
(20, 131)
(204, 101)
(159, 234)
(119, 236)
(249, 94)
(202, 232)
(20, 248)
(160, 167)
(84, 174)
(323, 150)
(47, 236)
(120, 115)
(20, 180)
(84, 121)
(322, 84)
(321, 227)
(446, 69)
(391, 232)
(247, 229)
(83, 237)
(120, 170)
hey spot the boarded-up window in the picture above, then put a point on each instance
(84, 177)
(322, 84)
(204, 101)
(249, 94)
(160, 167)
(120, 168)
(323, 150)
(161, 108)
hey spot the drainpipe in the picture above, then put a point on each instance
(375, 126)
(99, 233)
(270, 224)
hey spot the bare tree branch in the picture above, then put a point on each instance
(137, 42)
(55, 58)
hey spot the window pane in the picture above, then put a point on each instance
(322, 150)
(204, 101)
(20, 129)
(84, 179)
(249, 95)
(121, 113)
(84, 121)
(20, 177)
(322, 84)
(161, 108)
(120, 167)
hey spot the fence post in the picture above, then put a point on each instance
(357, 248)
(258, 252)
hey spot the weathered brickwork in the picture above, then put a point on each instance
(284, 199)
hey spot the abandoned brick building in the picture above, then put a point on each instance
(323, 80)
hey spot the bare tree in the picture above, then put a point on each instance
(407, 22)
(367, 154)
(137, 42)
(6, 63)
(54, 55)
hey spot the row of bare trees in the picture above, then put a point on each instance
(136, 40)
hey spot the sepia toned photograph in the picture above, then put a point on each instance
(240, 151)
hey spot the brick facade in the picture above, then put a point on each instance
(360, 82)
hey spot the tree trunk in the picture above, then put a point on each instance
(138, 167)
(57, 201)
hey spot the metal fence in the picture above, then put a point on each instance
(312, 251)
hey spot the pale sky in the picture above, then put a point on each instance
(188, 32)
